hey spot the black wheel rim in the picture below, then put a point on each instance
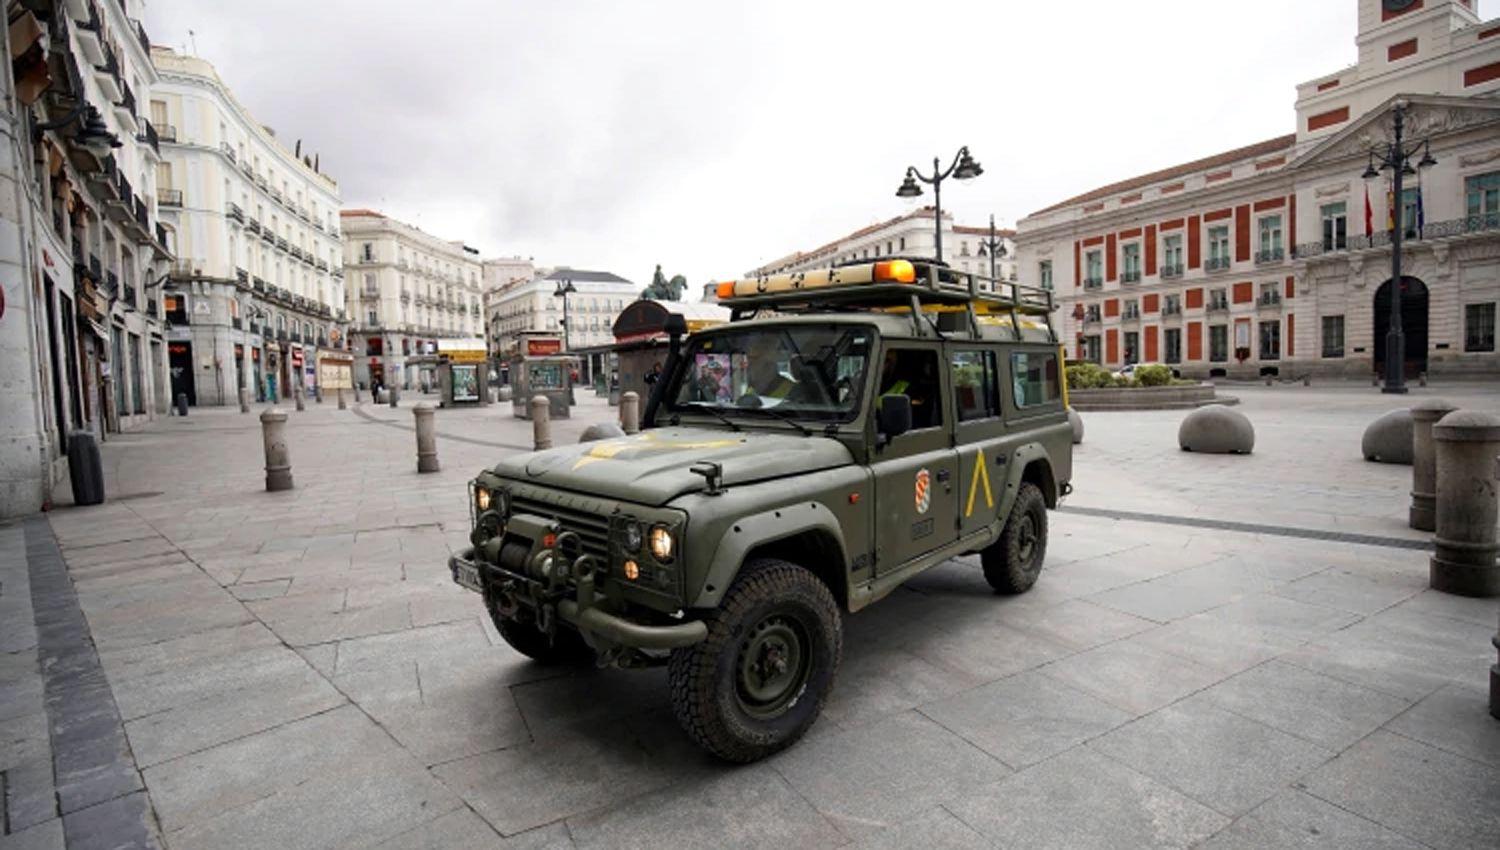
(1026, 539)
(773, 666)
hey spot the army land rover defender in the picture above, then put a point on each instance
(850, 428)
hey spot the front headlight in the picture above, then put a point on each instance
(662, 544)
(482, 498)
(632, 535)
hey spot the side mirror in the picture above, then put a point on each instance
(893, 417)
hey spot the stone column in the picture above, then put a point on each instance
(244, 400)
(630, 412)
(427, 458)
(541, 422)
(1424, 415)
(1467, 444)
(278, 455)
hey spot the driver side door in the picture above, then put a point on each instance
(916, 473)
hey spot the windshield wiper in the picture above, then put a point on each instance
(784, 417)
(718, 414)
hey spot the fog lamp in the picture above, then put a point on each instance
(632, 570)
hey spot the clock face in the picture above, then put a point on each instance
(1398, 5)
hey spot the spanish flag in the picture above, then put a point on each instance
(1369, 214)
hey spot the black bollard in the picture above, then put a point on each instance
(182, 404)
(85, 468)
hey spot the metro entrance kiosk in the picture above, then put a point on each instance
(542, 369)
(463, 372)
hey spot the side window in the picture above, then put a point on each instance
(914, 374)
(1035, 379)
(975, 385)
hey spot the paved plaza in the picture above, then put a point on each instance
(1222, 652)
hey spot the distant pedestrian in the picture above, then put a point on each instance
(654, 375)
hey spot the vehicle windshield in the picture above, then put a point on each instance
(801, 371)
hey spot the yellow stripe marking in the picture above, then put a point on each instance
(981, 473)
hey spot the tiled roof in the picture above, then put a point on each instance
(1269, 146)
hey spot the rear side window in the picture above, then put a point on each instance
(1035, 379)
(975, 385)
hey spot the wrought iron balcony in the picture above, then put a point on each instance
(1218, 306)
(1169, 272)
(258, 284)
(1269, 299)
(1216, 264)
(169, 197)
(149, 136)
(161, 235)
(1132, 313)
(1093, 283)
(228, 151)
(167, 133)
(1092, 318)
(242, 276)
(1274, 255)
(1131, 276)
(1171, 310)
(235, 213)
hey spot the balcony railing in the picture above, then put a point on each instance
(149, 136)
(235, 213)
(1093, 283)
(228, 150)
(161, 235)
(1132, 276)
(251, 225)
(169, 197)
(1216, 264)
(1092, 319)
(242, 276)
(1171, 310)
(1218, 306)
(1169, 272)
(167, 133)
(258, 284)
(1270, 299)
(1132, 313)
(1274, 255)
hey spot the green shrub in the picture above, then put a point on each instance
(1089, 376)
(1155, 375)
(1124, 382)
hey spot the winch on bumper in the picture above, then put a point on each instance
(558, 585)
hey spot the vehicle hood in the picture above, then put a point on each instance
(652, 467)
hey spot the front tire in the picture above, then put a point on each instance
(1013, 563)
(759, 680)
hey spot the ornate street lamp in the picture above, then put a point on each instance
(963, 168)
(1396, 158)
(995, 247)
(565, 288)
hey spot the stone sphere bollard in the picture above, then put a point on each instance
(1423, 513)
(630, 413)
(278, 455)
(1467, 444)
(1389, 438)
(244, 400)
(1077, 422)
(427, 457)
(1216, 429)
(541, 422)
(343, 405)
(601, 431)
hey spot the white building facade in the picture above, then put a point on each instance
(257, 294)
(82, 254)
(1264, 259)
(913, 235)
(407, 290)
(534, 306)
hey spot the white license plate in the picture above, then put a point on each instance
(467, 575)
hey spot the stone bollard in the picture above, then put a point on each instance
(297, 397)
(630, 413)
(541, 422)
(356, 393)
(278, 456)
(1466, 444)
(1424, 415)
(343, 405)
(427, 458)
(244, 400)
(395, 397)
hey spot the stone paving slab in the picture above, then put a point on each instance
(1163, 685)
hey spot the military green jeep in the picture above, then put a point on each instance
(886, 417)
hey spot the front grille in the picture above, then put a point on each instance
(591, 528)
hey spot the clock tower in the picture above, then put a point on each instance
(1396, 34)
(1379, 16)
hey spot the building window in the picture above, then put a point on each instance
(1094, 276)
(1333, 336)
(1270, 340)
(1218, 248)
(1479, 327)
(1218, 343)
(1132, 347)
(1218, 299)
(1044, 270)
(903, 243)
(1335, 226)
(1171, 256)
(1270, 294)
(1411, 212)
(1132, 309)
(1270, 239)
(367, 252)
(1091, 348)
(1171, 305)
(1131, 257)
(1172, 345)
(372, 321)
(1483, 192)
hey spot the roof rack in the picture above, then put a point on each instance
(897, 285)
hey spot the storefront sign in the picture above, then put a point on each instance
(297, 357)
(543, 347)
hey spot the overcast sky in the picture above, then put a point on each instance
(711, 136)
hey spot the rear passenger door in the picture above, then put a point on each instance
(978, 375)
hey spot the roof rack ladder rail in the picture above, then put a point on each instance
(1015, 318)
(916, 314)
(973, 315)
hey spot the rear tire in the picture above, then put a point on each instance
(759, 680)
(1013, 563)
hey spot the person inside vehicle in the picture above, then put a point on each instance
(913, 374)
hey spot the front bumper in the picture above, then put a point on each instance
(594, 621)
